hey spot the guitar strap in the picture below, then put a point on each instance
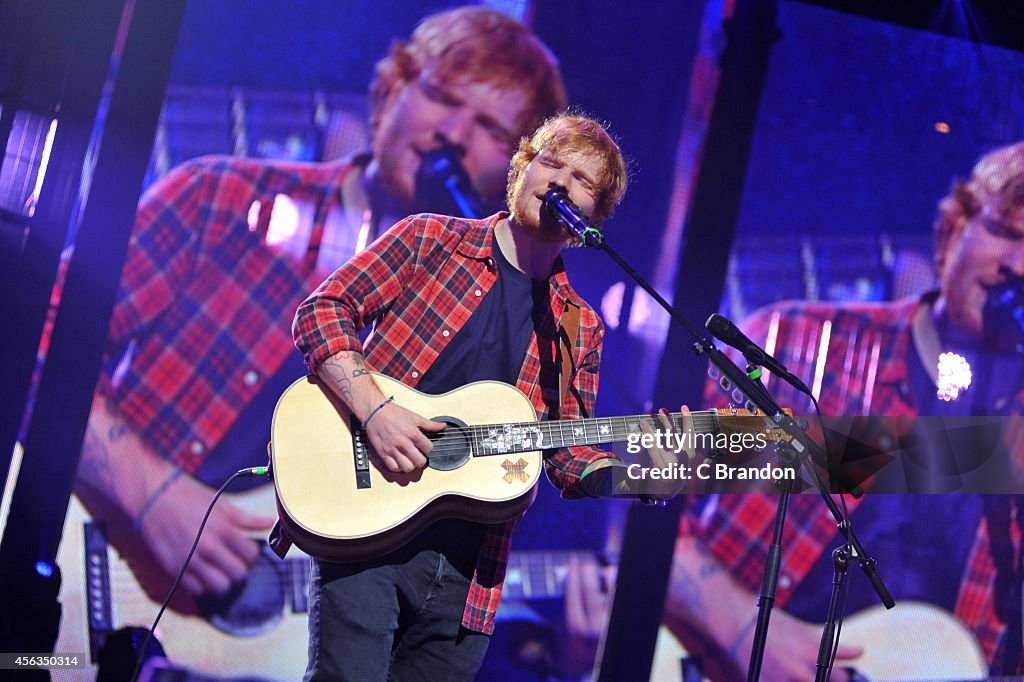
(569, 331)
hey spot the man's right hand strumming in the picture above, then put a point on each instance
(226, 550)
(143, 496)
(396, 434)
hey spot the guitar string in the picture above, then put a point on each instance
(619, 432)
(528, 563)
(540, 573)
(478, 432)
(705, 422)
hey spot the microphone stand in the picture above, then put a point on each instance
(800, 444)
(805, 449)
(841, 564)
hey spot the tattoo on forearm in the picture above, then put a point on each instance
(338, 372)
(351, 356)
(340, 377)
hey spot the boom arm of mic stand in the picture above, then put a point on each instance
(760, 398)
(603, 245)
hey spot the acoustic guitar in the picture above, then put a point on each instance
(258, 630)
(336, 503)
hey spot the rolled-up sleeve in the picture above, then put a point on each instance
(330, 319)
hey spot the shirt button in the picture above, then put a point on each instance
(446, 333)
(478, 293)
(250, 378)
(415, 375)
(785, 582)
(196, 447)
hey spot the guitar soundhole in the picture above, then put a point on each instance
(451, 446)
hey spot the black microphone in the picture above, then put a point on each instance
(442, 174)
(570, 216)
(1003, 315)
(727, 332)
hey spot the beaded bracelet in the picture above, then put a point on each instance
(375, 411)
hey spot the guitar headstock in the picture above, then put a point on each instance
(743, 421)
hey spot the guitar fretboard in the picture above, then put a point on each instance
(530, 574)
(500, 439)
(538, 574)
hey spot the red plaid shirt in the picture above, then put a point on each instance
(425, 275)
(856, 356)
(205, 305)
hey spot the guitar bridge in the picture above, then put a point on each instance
(361, 453)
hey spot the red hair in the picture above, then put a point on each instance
(475, 44)
(577, 132)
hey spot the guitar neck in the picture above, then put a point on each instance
(531, 574)
(539, 574)
(502, 439)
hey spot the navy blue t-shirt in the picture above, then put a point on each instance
(493, 342)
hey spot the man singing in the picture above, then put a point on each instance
(455, 301)
(222, 252)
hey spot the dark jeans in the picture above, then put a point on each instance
(397, 618)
